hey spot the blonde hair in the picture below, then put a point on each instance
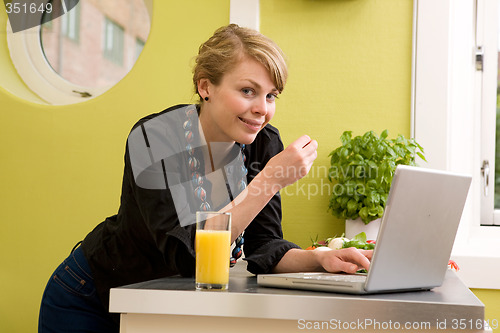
(228, 45)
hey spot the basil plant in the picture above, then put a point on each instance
(361, 171)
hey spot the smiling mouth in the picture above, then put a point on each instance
(253, 124)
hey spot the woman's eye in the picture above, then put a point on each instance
(247, 91)
(271, 97)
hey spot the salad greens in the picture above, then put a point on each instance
(359, 241)
(362, 169)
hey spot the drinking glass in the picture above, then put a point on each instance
(212, 246)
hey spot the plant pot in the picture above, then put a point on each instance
(354, 227)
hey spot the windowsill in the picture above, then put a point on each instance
(478, 257)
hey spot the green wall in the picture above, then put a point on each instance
(61, 167)
(350, 69)
(491, 300)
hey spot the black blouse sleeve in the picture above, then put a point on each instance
(264, 244)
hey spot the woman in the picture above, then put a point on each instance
(196, 157)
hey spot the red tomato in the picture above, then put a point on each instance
(453, 265)
(322, 243)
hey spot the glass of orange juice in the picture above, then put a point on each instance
(212, 246)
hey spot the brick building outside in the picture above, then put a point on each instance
(96, 43)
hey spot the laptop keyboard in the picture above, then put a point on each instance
(337, 277)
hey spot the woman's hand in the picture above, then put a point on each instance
(291, 164)
(334, 261)
(281, 170)
(347, 260)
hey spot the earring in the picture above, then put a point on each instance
(206, 99)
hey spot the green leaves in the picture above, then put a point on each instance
(346, 137)
(361, 237)
(359, 242)
(362, 170)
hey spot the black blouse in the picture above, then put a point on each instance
(145, 240)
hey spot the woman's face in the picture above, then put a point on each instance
(240, 106)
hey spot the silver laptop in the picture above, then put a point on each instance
(415, 239)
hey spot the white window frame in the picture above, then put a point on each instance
(487, 39)
(446, 120)
(32, 66)
(245, 13)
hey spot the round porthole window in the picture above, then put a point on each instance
(81, 48)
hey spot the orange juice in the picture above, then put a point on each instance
(212, 257)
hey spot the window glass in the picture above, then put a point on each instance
(113, 42)
(94, 43)
(70, 24)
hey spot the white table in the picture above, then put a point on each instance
(173, 305)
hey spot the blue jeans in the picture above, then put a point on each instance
(70, 302)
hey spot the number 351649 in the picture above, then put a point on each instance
(27, 8)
